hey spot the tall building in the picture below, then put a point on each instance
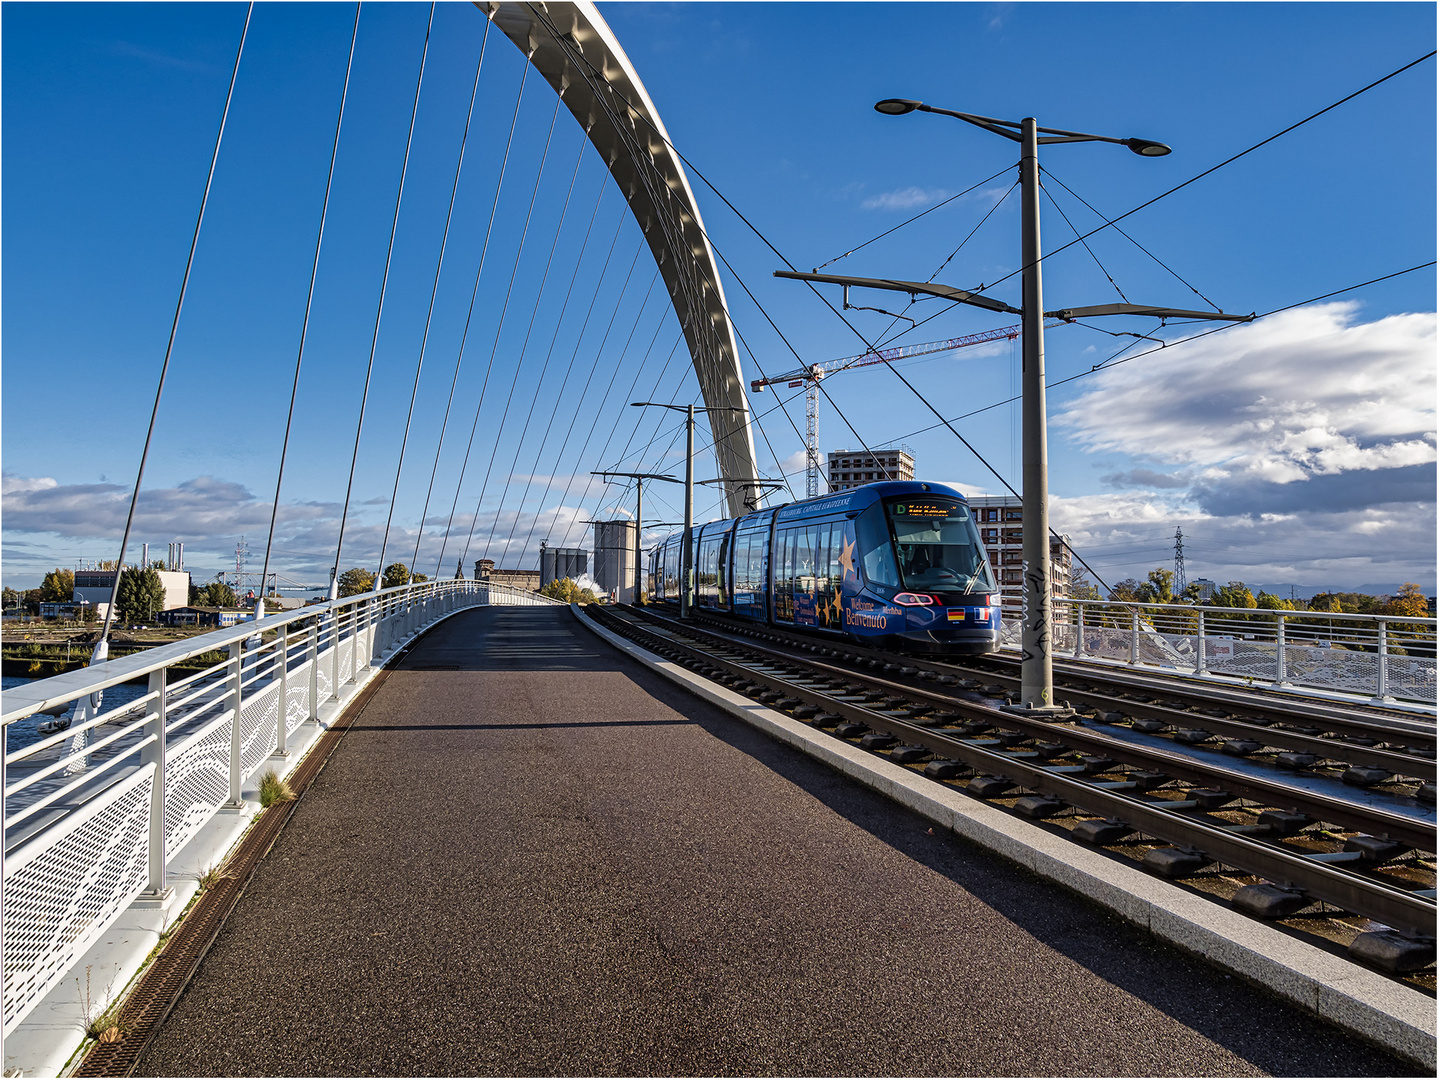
(615, 557)
(1000, 519)
(855, 468)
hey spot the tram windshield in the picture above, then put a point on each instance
(937, 545)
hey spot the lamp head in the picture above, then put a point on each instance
(1146, 147)
(896, 106)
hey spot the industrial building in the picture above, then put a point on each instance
(557, 563)
(615, 543)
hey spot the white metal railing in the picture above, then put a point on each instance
(94, 812)
(1383, 657)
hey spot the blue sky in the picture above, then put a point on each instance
(1299, 449)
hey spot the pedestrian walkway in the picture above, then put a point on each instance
(532, 855)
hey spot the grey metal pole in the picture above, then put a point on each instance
(1036, 669)
(639, 529)
(687, 558)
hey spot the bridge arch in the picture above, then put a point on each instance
(573, 48)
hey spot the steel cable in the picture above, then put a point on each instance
(100, 648)
(465, 337)
(380, 309)
(309, 302)
(429, 319)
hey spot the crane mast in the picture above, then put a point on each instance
(809, 377)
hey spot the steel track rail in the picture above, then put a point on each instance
(1318, 880)
(1354, 816)
(1264, 731)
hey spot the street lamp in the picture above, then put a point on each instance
(686, 569)
(1036, 673)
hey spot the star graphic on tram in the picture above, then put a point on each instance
(846, 556)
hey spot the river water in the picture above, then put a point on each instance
(24, 732)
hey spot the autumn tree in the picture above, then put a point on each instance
(1157, 587)
(356, 580)
(1236, 595)
(58, 586)
(1410, 601)
(568, 591)
(140, 594)
(397, 573)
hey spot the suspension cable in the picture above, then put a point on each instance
(101, 649)
(549, 353)
(380, 311)
(500, 325)
(430, 315)
(465, 335)
(574, 354)
(614, 372)
(309, 302)
(469, 116)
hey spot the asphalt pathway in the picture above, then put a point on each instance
(532, 856)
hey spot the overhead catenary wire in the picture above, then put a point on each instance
(1175, 273)
(380, 307)
(911, 221)
(100, 647)
(309, 303)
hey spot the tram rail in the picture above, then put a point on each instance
(1369, 857)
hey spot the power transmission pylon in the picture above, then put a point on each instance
(1179, 583)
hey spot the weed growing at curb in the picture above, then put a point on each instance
(273, 790)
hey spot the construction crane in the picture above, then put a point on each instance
(810, 376)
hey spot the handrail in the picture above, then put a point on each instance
(95, 811)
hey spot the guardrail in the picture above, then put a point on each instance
(1387, 658)
(100, 796)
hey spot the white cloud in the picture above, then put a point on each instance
(907, 198)
(1306, 407)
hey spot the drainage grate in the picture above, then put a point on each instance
(160, 985)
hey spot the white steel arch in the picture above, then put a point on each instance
(573, 48)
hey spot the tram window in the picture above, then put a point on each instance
(937, 545)
(724, 573)
(821, 564)
(876, 554)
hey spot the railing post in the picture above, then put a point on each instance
(1078, 629)
(236, 699)
(1200, 667)
(282, 721)
(335, 629)
(1134, 635)
(1280, 679)
(156, 888)
(312, 652)
(1382, 691)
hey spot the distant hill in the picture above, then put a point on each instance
(1304, 592)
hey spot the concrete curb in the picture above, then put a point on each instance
(1363, 1002)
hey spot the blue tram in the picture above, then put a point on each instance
(896, 564)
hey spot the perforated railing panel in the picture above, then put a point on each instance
(197, 779)
(63, 892)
